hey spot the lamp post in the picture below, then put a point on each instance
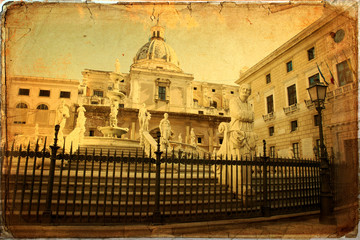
(317, 94)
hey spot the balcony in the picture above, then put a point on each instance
(269, 116)
(291, 109)
(308, 103)
(95, 100)
(341, 90)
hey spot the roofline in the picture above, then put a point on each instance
(325, 19)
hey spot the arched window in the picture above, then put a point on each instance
(42, 107)
(21, 105)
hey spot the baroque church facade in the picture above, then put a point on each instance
(155, 79)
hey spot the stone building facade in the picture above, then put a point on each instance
(284, 114)
(155, 79)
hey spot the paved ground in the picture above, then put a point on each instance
(275, 227)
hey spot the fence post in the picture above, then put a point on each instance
(47, 212)
(156, 213)
(265, 208)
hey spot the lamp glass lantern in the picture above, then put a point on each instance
(317, 92)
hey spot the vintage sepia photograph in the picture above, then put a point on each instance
(179, 119)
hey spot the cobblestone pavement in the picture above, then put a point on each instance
(305, 227)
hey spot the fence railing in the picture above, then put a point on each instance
(54, 187)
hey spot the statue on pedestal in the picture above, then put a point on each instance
(76, 137)
(165, 130)
(144, 117)
(62, 114)
(239, 139)
(113, 113)
(117, 66)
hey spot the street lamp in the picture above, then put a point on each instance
(317, 94)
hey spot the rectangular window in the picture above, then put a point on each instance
(314, 79)
(64, 94)
(272, 151)
(221, 114)
(289, 66)
(294, 125)
(232, 92)
(316, 120)
(24, 91)
(221, 140)
(270, 104)
(213, 90)
(162, 93)
(201, 112)
(311, 53)
(199, 140)
(296, 150)
(271, 131)
(292, 94)
(98, 93)
(195, 88)
(344, 73)
(91, 133)
(44, 93)
(121, 105)
(268, 78)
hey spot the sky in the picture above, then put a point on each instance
(212, 41)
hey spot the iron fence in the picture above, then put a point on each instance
(52, 186)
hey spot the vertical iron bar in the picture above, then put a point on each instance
(98, 186)
(255, 192)
(54, 148)
(91, 183)
(246, 186)
(172, 181)
(106, 184)
(156, 213)
(68, 181)
(148, 190)
(24, 179)
(75, 183)
(127, 187)
(215, 184)
(242, 182)
(266, 203)
(191, 181)
(231, 184)
(134, 188)
(197, 187)
(221, 165)
(33, 177)
(237, 183)
(60, 181)
(113, 186)
(16, 180)
(286, 187)
(184, 195)
(178, 188)
(83, 186)
(226, 183)
(209, 183)
(164, 193)
(142, 182)
(9, 177)
(120, 183)
(40, 181)
(278, 184)
(203, 186)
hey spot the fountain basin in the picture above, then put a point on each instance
(113, 132)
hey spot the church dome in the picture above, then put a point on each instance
(157, 54)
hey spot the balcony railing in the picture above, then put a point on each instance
(269, 116)
(291, 109)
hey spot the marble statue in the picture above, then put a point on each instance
(144, 117)
(180, 138)
(165, 130)
(113, 113)
(239, 138)
(192, 138)
(76, 137)
(62, 114)
(117, 66)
